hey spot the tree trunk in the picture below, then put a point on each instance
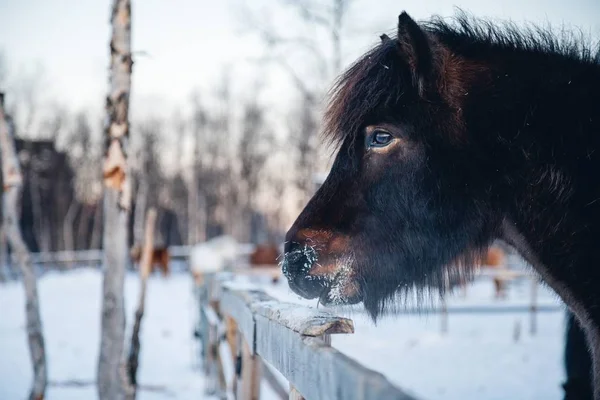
(112, 382)
(145, 268)
(338, 15)
(68, 237)
(83, 228)
(13, 186)
(36, 210)
(193, 211)
(96, 240)
(141, 199)
(3, 264)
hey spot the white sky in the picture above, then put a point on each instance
(190, 41)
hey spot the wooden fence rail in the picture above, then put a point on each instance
(245, 328)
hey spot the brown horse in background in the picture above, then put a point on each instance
(496, 258)
(265, 255)
(160, 258)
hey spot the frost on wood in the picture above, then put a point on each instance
(13, 184)
(317, 370)
(236, 304)
(112, 378)
(303, 320)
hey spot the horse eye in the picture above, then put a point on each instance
(380, 139)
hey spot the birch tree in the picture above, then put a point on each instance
(112, 379)
(13, 187)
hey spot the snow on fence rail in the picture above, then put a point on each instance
(242, 327)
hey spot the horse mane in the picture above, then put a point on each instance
(376, 79)
(465, 32)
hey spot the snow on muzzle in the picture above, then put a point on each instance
(319, 264)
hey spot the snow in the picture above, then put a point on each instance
(477, 358)
(70, 306)
(213, 255)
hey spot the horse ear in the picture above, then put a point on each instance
(415, 48)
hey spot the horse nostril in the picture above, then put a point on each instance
(297, 262)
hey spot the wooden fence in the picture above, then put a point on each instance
(245, 334)
(533, 308)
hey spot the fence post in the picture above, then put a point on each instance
(251, 374)
(533, 308)
(294, 394)
(444, 315)
(232, 336)
(203, 328)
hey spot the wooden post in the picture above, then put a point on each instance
(533, 307)
(112, 377)
(13, 187)
(3, 264)
(145, 268)
(232, 338)
(231, 334)
(249, 388)
(444, 315)
(295, 394)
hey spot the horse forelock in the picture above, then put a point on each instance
(371, 83)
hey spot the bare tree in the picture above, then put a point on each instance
(25, 108)
(3, 245)
(148, 174)
(196, 199)
(3, 69)
(178, 186)
(311, 55)
(255, 146)
(13, 187)
(329, 17)
(112, 379)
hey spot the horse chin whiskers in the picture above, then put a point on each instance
(337, 286)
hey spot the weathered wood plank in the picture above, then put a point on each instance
(236, 304)
(317, 370)
(227, 366)
(303, 320)
(249, 388)
(227, 369)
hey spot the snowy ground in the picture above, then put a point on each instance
(478, 358)
(70, 305)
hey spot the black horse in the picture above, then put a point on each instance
(450, 136)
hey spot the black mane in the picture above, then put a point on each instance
(465, 33)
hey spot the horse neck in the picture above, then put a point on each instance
(538, 121)
(536, 109)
